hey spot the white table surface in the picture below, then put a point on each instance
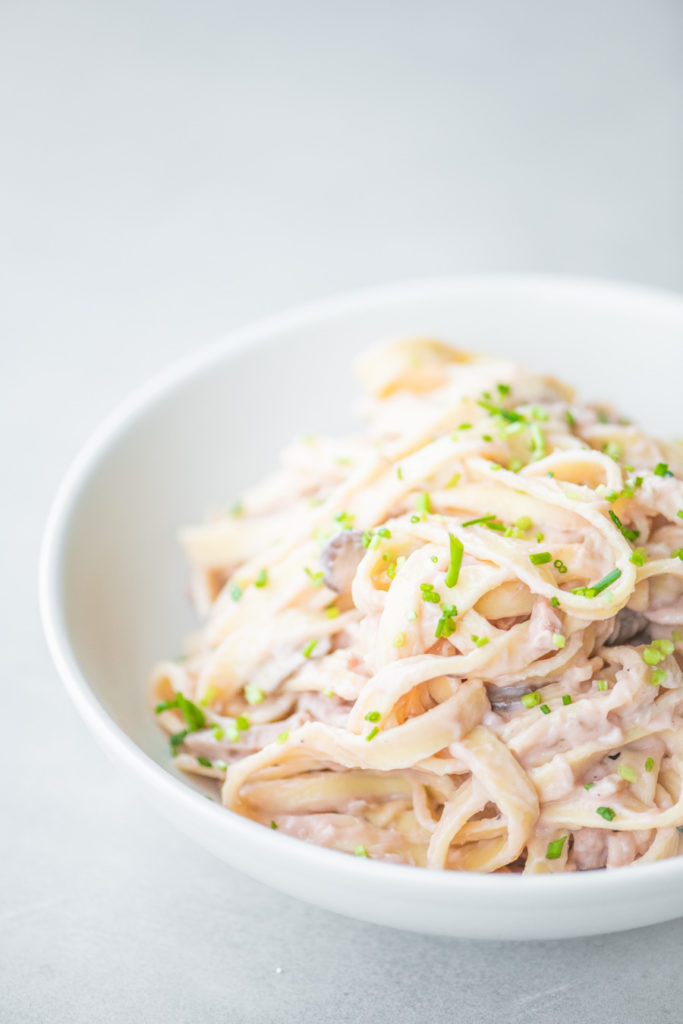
(168, 170)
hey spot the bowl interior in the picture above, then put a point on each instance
(216, 425)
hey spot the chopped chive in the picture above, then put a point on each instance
(596, 588)
(560, 566)
(454, 480)
(283, 736)
(649, 764)
(176, 740)
(166, 705)
(540, 537)
(538, 444)
(373, 716)
(566, 699)
(309, 648)
(482, 519)
(658, 676)
(503, 389)
(480, 641)
(373, 732)
(555, 602)
(506, 414)
(588, 785)
(531, 700)
(415, 519)
(236, 592)
(680, 513)
(332, 612)
(612, 449)
(545, 709)
(253, 694)
(423, 503)
(316, 578)
(540, 558)
(651, 656)
(399, 640)
(456, 550)
(242, 723)
(524, 523)
(345, 520)
(570, 419)
(217, 731)
(639, 556)
(399, 472)
(261, 579)
(555, 848)
(385, 532)
(446, 625)
(602, 685)
(662, 469)
(360, 851)
(559, 640)
(193, 715)
(204, 762)
(273, 825)
(606, 812)
(629, 534)
(627, 773)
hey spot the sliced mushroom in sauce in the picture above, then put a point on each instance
(626, 625)
(340, 558)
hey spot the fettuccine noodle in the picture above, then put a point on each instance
(454, 641)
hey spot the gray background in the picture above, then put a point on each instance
(168, 170)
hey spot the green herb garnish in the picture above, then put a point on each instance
(554, 850)
(456, 552)
(606, 812)
(540, 558)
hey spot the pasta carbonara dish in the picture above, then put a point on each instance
(454, 640)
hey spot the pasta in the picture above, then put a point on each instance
(454, 640)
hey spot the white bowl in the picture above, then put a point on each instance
(113, 581)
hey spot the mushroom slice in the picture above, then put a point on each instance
(340, 558)
(626, 625)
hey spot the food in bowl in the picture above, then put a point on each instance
(453, 640)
